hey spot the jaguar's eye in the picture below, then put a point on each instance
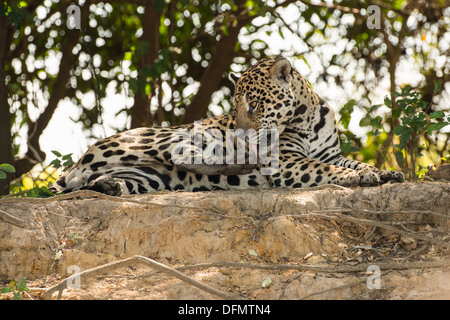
(252, 106)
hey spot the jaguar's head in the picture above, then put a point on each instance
(263, 97)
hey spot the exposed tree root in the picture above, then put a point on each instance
(138, 260)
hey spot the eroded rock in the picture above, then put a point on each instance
(281, 226)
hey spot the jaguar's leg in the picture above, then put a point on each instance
(297, 171)
(129, 180)
(368, 170)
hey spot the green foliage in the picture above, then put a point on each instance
(347, 143)
(37, 187)
(109, 50)
(347, 137)
(17, 288)
(39, 192)
(375, 121)
(414, 124)
(370, 58)
(30, 187)
(332, 42)
(64, 161)
(6, 168)
(13, 10)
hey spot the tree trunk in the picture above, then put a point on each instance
(219, 64)
(5, 118)
(34, 154)
(140, 112)
(212, 76)
(393, 56)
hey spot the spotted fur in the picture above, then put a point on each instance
(273, 95)
(270, 95)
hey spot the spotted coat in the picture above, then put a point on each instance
(271, 95)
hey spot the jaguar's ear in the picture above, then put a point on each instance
(234, 78)
(281, 70)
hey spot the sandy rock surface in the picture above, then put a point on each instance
(400, 228)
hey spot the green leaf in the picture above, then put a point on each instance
(56, 163)
(437, 114)
(396, 113)
(375, 107)
(406, 89)
(6, 290)
(404, 132)
(406, 121)
(67, 156)
(133, 84)
(437, 126)
(437, 86)
(128, 55)
(346, 147)
(306, 62)
(37, 192)
(225, 30)
(376, 122)
(346, 112)
(148, 88)
(56, 153)
(2, 175)
(364, 122)
(399, 157)
(400, 130)
(398, 4)
(7, 168)
(423, 105)
(349, 105)
(68, 163)
(387, 102)
(22, 285)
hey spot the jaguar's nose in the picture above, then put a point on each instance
(244, 122)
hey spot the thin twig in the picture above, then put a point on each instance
(139, 260)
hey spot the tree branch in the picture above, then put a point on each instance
(140, 112)
(139, 260)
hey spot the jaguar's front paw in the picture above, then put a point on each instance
(368, 179)
(393, 176)
(109, 186)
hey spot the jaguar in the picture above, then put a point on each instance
(271, 97)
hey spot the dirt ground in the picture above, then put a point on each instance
(387, 242)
